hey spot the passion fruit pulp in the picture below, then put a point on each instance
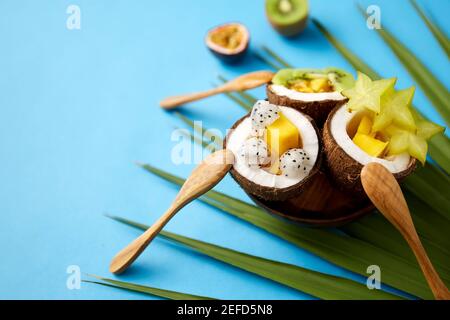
(229, 42)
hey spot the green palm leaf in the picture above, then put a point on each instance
(277, 58)
(354, 60)
(267, 61)
(346, 252)
(432, 186)
(439, 34)
(368, 229)
(317, 284)
(246, 106)
(211, 147)
(167, 294)
(439, 150)
(203, 132)
(436, 92)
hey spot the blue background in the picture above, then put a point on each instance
(79, 107)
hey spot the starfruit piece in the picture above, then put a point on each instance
(406, 141)
(367, 93)
(418, 148)
(395, 108)
(398, 143)
(426, 129)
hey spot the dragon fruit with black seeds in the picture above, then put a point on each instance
(255, 153)
(295, 163)
(263, 114)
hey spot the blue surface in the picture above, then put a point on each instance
(80, 107)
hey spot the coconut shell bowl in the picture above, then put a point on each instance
(321, 204)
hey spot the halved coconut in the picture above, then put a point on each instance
(317, 100)
(345, 159)
(229, 41)
(259, 181)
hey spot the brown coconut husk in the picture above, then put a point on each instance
(343, 169)
(275, 194)
(318, 110)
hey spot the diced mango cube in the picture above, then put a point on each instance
(281, 136)
(319, 84)
(370, 145)
(365, 126)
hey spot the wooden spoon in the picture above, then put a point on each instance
(202, 179)
(244, 82)
(385, 193)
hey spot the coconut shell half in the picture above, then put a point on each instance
(275, 194)
(320, 204)
(344, 170)
(318, 110)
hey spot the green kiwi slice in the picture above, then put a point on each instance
(288, 17)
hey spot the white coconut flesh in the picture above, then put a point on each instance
(305, 96)
(338, 128)
(260, 176)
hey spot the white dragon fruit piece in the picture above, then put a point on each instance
(254, 152)
(295, 163)
(263, 115)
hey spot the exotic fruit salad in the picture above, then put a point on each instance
(277, 151)
(376, 125)
(314, 92)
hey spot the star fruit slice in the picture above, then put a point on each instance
(426, 129)
(406, 141)
(367, 93)
(395, 108)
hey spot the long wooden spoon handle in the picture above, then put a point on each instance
(174, 101)
(244, 82)
(202, 179)
(384, 191)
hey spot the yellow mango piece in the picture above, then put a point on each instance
(365, 126)
(370, 145)
(275, 167)
(281, 136)
(319, 84)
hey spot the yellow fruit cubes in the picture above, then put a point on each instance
(370, 145)
(320, 85)
(281, 136)
(365, 126)
(365, 139)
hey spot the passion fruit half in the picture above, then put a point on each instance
(229, 42)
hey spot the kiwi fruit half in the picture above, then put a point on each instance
(288, 17)
(314, 92)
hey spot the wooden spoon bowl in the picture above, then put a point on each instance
(321, 204)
